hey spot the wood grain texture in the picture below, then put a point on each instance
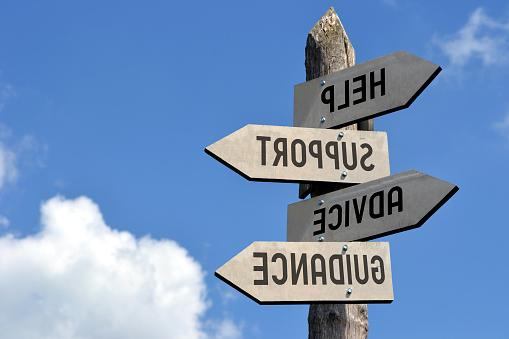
(328, 49)
(332, 321)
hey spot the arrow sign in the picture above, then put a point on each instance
(311, 272)
(292, 154)
(362, 92)
(368, 211)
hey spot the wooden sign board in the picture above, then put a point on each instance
(292, 154)
(363, 91)
(311, 272)
(368, 211)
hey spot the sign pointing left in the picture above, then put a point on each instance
(311, 272)
(296, 154)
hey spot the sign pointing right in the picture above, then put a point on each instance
(363, 91)
(370, 210)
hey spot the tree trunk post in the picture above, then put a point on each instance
(328, 50)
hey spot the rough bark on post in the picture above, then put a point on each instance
(328, 50)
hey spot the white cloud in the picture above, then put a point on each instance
(226, 329)
(16, 153)
(482, 37)
(227, 294)
(503, 125)
(4, 222)
(32, 152)
(27, 149)
(6, 92)
(78, 279)
(8, 169)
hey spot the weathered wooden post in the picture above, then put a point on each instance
(261, 153)
(328, 50)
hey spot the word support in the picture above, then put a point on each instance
(292, 154)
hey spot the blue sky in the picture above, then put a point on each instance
(113, 219)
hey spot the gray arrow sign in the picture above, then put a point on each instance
(362, 92)
(293, 154)
(311, 272)
(368, 211)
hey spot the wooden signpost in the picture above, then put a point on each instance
(368, 211)
(361, 92)
(308, 272)
(318, 265)
(292, 154)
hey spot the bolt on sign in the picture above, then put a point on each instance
(311, 272)
(370, 210)
(318, 265)
(293, 154)
(362, 92)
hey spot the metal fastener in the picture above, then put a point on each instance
(322, 82)
(321, 239)
(321, 202)
(349, 290)
(345, 247)
(344, 173)
(340, 135)
(322, 120)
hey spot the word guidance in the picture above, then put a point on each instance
(371, 210)
(362, 92)
(305, 272)
(276, 153)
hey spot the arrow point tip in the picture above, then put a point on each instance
(219, 273)
(208, 150)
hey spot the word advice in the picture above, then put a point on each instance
(355, 94)
(317, 269)
(299, 153)
(354, 211)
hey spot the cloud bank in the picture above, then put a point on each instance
(482, 37)
(78, 278)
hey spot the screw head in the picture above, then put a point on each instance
(322, 120)
(349, 290)
(321, 239)
(345, 247)
(321, 202)
(344, 173)
(322, 82)
(340, 135)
